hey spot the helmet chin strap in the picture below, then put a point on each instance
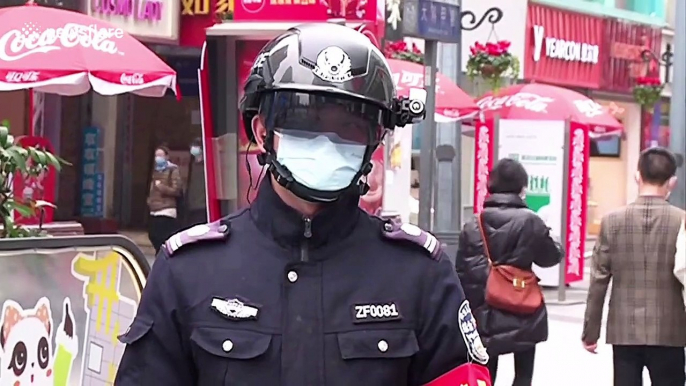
(285, 178)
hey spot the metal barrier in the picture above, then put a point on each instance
(64, 302)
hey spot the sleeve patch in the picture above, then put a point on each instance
(396, 230)
(470, 334)
(217, 230)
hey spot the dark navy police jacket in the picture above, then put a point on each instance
(278, 299)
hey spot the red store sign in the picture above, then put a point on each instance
(563, 48)
(623, 64)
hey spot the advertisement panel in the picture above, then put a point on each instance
(563, 47)
(92, 173)
(63, 309)
(624, 63)
(545, 166)
(557, 195)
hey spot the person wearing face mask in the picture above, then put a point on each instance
(636, 250)
(303, 287)
(508, 234)
(165, 188)
(196, 204)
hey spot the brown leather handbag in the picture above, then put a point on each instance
(510, 288)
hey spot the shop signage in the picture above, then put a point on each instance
(626, 42)
(563, 47)
(149, 20)
(195, 7)
(73, 5)
(432, 20)
(280, 10)
(141, 9)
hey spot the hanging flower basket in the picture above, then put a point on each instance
(492, 62)
(402, 51)
(647, 91)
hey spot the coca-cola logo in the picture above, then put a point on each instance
(22, 76)
(522, 100)
(410, 79)
(589, 108)
(16, 44)
(132, 79)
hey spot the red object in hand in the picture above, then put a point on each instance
(469, 374)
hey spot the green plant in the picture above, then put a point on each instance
(647, 91)
(492, 62)
(17, 161)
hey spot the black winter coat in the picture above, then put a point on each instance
(516, 236)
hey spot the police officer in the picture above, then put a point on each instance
(303, 288)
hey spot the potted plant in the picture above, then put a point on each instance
(402, 51)
(17, 161)
(647, 91)
(492, 62)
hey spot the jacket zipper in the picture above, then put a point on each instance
(305, 245)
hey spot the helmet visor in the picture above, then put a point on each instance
(341, 119)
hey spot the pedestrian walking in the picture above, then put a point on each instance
(303, 288)
(496, 252)
(195, 198)
(636, 249)
(165, 188)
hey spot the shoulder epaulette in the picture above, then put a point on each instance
(217, 230)
(397, 230)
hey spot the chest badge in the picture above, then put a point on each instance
(234, 309)
(380, 312)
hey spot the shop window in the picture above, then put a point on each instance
(654, 8)
(606, 147)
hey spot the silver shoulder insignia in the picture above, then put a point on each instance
(397, 230)
(217, 230)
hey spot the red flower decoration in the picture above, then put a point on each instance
(504, 45)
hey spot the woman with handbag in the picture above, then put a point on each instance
(497, 249)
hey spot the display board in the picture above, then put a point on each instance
(62, 310)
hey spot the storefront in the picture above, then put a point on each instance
(614, 159)
(563, 48)
(133, 126)
(567, 49)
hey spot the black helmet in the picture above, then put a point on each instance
(315, 66)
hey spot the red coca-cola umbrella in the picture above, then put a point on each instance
(63, 52)
(451, 102)
(543, 102)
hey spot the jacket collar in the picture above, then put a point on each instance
(508, 200)
(287, 226)
(654, 200)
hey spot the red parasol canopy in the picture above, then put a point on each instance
(451, 102)
(63, 52)
(543, 102)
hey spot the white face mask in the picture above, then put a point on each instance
(319, 163)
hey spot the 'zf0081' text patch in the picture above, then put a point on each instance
(368, 313)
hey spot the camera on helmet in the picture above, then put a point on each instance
(411, 110)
